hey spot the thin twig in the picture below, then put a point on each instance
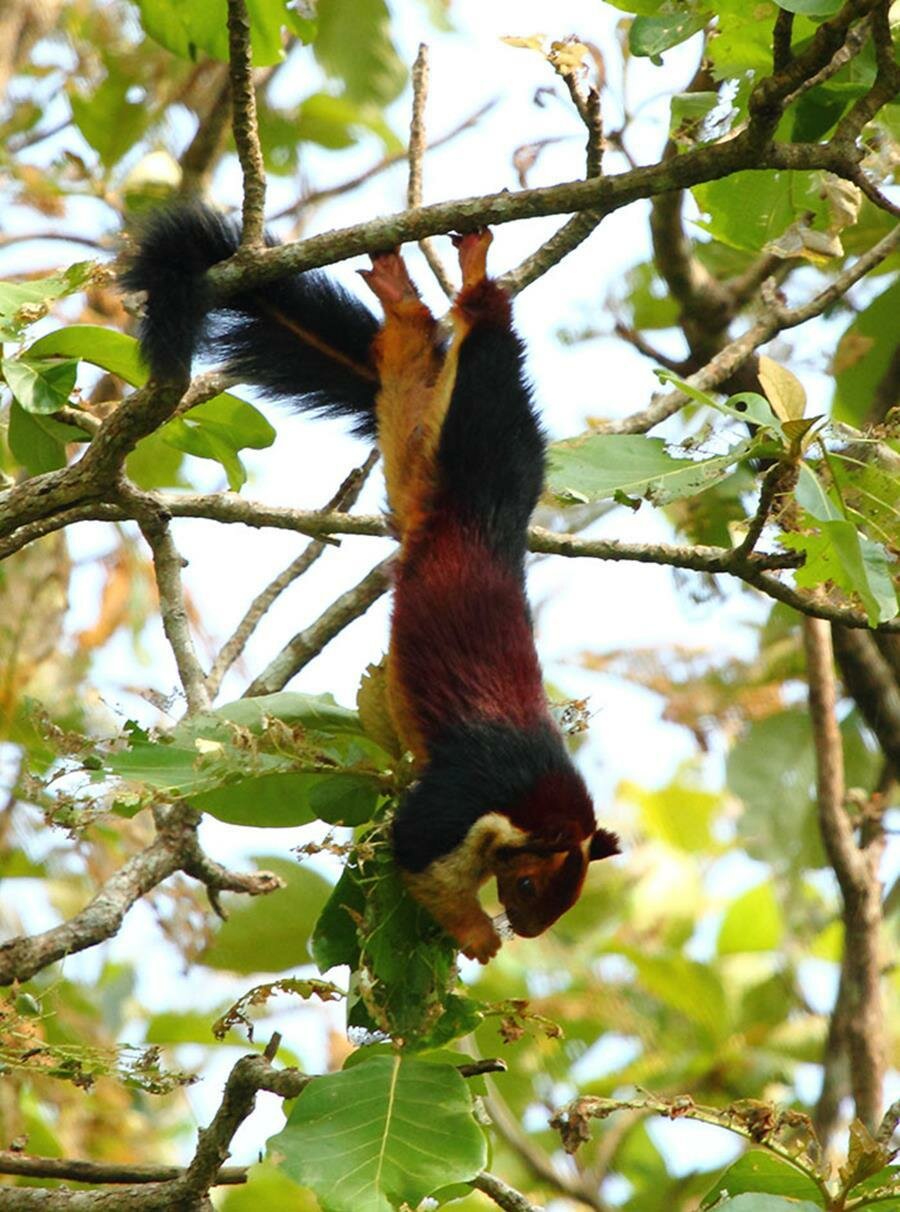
(639, 342)
(780, 479)
(417, 145)
(885, 87)
(345, 497)
(167, 565)
(535, 1158)
(316, 197)
(586, 99)
(857, 874)
(504, 1196)
(776, 318)
(306, 645)
(244, 125)
(888, 1125)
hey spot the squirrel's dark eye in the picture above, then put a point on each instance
(525, 886)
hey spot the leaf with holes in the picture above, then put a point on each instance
(595, 466)
(381, 1134)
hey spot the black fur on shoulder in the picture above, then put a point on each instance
(475, 769)
(492, 446)
(302, 339)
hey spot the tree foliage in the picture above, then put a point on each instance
(690, 968)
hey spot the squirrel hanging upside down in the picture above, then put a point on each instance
(497, 793)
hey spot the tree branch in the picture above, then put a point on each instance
(417, 146)
(244, 125)
(504, 1196)
(307, 644)
(345, 497)
(188, 1189)
(607, 194)
(175, 848)
(857, 874)
(27, 1165)
(775, 318)
(870, 680)
(167, 565)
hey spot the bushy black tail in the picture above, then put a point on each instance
(303, 339)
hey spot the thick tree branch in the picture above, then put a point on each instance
(856, 870)
(607, 194)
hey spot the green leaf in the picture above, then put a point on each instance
(595, 466)
(764, 1203)
(747, 406)
(760, 1171)
(650, 304)
(354, 44)
(678, 814)
(189, 29)
(812, 497)
(752, 922)
(774, 763)
(103, 347)
(749, 209)
(30, 443)
(21, 303)
(108, 120)
(335, 940)
(821, 108)
(181, 1027)
(343, 799)
(649, 36)
(337, 122)
(688, 115)
(217, 429)
(863, 356)
(270, 801)
(318, 712)
(836, 551)
(387, 1132)
(267, 1188)
(690, 988)
(270, 933)
(40, 386)
(811, 8)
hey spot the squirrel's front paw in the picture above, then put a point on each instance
(478, 939)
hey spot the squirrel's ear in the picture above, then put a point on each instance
(604, 844)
